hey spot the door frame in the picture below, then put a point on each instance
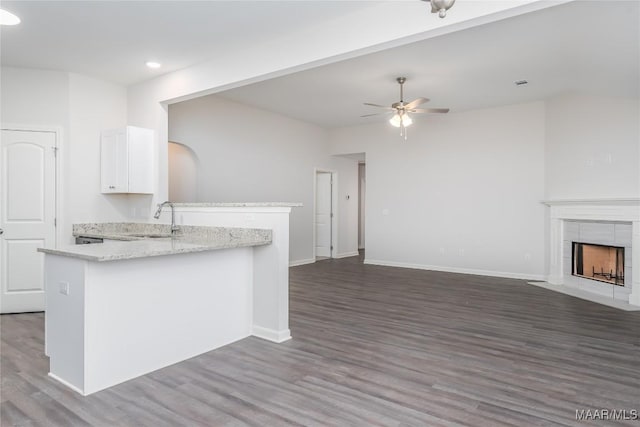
(334, 210)
(362, 212)
(57, 131)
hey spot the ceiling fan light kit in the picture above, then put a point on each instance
(401, 110)
(440, 6)
(400, 120)
(8, 18)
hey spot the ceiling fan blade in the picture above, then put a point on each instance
(416, 102)
(378, 105)
(374, 114)
(429, 110)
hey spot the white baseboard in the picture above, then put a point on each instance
(271, 334)
(301, 262)
(475, 272)
(67, 384)
(347, 254)
(634, 298)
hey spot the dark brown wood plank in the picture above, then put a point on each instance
(372, 346)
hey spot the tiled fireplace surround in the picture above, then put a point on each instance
(605, 222)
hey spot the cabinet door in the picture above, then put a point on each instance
(141, 160)
(114, 162)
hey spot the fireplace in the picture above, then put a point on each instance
(598, 262)
(596, 222)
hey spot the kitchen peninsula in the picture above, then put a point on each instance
(147, 298)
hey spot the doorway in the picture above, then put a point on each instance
(323, 214)
(27, 217)
(362, 189)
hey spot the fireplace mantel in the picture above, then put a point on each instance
(610, 210)
(610, 202)
(595, 209)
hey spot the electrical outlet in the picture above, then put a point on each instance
(63, 287)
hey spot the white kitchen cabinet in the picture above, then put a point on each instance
(127, 160)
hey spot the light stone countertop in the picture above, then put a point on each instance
(129, 230)
(132, 244)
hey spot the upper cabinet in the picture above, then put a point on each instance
(128, 160)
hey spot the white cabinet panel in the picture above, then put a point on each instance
(115, 161)
(127, 160)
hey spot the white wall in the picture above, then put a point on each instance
(34, 97)
(183, 173)
(332, 41)
(248, 154)
(462, 194)
(592, 147)
(39, 98)
(80, 107)
(95, 105)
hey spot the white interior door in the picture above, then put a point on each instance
(323, 214)
(27, 215)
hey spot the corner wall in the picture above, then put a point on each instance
(81, 107)
(332, 41)
(248, 154)
(94, 105)
(148, 100)
(461, 194)
(592, 148)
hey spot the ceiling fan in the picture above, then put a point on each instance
(401, 118)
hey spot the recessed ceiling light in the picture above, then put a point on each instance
(521, 82)
(153, 64)
(8, 18)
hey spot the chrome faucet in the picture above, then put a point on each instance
(174, 227)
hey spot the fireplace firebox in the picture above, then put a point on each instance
(599, 262)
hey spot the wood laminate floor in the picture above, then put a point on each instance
(372, 346)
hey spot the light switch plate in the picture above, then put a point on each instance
(63, 287)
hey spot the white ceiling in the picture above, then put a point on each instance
(112, 40)
(584, 46)
(581, 46)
